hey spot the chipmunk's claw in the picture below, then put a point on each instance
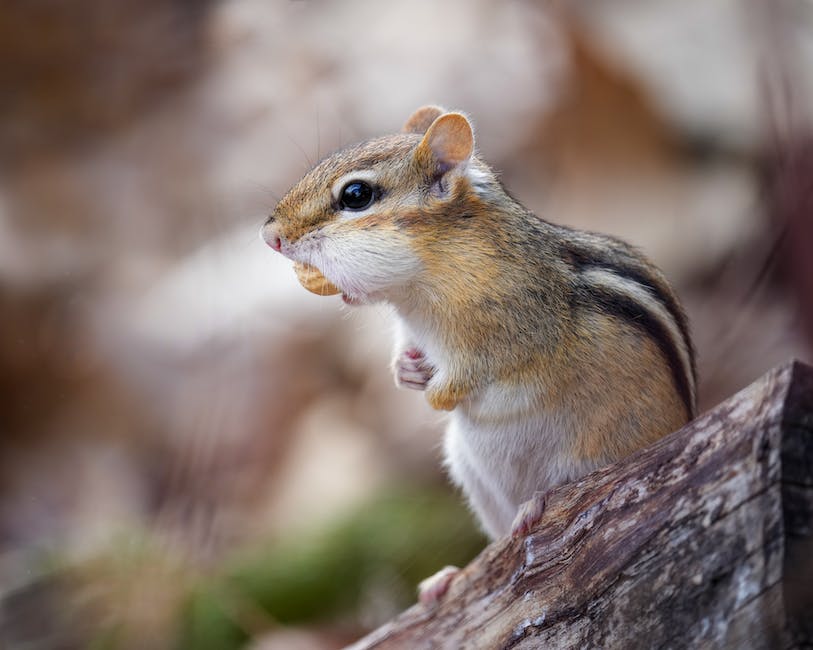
(412, 370)
(529, 514)
(431, 590)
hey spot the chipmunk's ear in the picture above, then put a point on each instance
(448, 142)
(421, 119)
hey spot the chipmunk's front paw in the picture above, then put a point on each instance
(431, 590)
(529, 514)
(412, 370)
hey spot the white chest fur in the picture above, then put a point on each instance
(500, 456)
(500, 446)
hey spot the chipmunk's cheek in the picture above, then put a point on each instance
(368, 262)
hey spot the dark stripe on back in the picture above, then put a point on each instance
(630, 311)
(585, 260)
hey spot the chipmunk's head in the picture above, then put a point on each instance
(359, 216)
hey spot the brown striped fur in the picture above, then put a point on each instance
(587, 327)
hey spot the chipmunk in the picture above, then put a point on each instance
(556, 351)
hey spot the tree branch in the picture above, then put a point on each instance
(703, 539)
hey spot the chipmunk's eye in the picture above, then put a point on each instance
(356, 195)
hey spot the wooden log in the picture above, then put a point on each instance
(704, 539)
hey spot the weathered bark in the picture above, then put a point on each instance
(704, 539)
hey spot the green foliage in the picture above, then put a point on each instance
(372, 559)
(207, 625)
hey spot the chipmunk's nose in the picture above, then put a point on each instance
(270, 233)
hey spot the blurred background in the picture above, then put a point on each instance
(195, 452)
